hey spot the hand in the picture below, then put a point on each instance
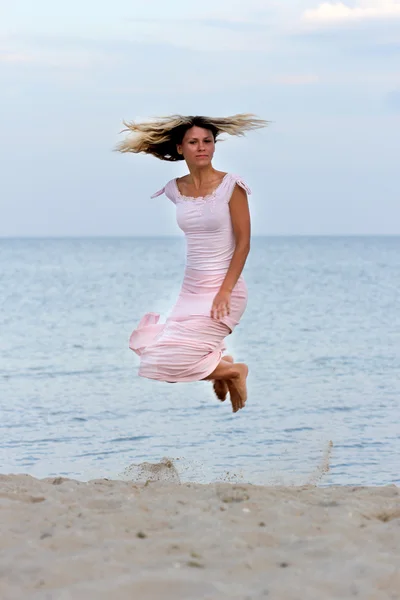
(221, 306)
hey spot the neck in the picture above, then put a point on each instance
(200, 175)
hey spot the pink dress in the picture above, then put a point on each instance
(189, 345)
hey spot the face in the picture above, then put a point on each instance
(197, 146)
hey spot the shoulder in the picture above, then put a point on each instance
(182, 179)
(170, 190)
(231, 180)
(238, 180)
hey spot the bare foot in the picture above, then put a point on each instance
(220, 386)
(237, 388)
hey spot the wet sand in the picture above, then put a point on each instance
(63, 539)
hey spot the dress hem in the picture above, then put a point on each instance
(188, 379)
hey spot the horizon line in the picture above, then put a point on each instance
(265, 235)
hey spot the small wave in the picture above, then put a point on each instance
(134, 438)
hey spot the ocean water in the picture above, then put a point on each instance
(321, 335)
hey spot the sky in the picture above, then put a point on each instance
(325, 74)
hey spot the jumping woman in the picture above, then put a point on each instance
(212, 210)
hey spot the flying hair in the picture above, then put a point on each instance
(160, 137)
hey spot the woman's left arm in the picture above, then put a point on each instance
(240, 217)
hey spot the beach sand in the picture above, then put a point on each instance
(115, 540)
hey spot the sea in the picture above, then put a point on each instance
(321, 336)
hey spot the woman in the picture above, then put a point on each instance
(212, 210)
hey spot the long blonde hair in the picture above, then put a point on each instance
(161, 136)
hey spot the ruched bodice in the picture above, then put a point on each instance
(206, 224)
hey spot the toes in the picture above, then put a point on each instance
(235, 398)
(235, 406)
(220, 389)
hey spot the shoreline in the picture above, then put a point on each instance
(66, 539)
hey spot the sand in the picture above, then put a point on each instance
(115, 540)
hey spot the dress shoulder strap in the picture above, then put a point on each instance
(169, 190)
(229, 185)
(159, 193)
(237, 180)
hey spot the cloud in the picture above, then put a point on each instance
(225, 26)
(364, 10)
(39, 60)
(15, 57)
(226, 22)
(232, 23)
(297, 79)
(37, 52)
